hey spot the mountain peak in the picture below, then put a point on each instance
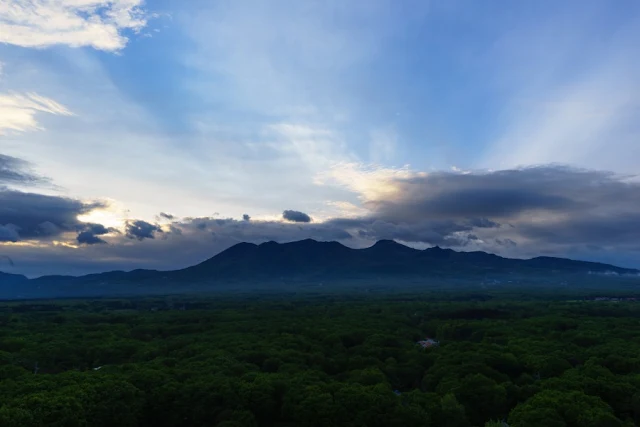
(438, 252)
(387, 242)
(304, 242)
(389, 248)
(237, 249)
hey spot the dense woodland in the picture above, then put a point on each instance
(525, 361)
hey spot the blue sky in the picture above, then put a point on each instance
(221, 108)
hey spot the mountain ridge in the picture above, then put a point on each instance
(311, 261)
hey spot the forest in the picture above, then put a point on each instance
(522, 360)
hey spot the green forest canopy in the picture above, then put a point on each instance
(320, 361)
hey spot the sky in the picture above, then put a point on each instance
(156, 134)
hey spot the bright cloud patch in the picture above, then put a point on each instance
(17, 111)
(96, 23)
(371, 182)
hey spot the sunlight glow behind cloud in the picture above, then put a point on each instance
(107, 217)
(370, 182)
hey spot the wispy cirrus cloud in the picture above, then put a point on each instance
(18, 111)
(97, 23)
(15, 171)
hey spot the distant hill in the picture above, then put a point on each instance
(9, 279)
(309, 261)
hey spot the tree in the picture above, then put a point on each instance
(557, 409)
(452, 412)
(482, 397)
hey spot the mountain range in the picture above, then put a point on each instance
(312, 262)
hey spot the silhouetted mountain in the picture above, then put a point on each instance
(310, 261)
(10, 279)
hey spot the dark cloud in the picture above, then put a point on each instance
(434, 232)
(89, 236)
(97, 229)
(296, 216)
(17, 171)
(246, 217)
(506, 242)
(539, 206)
(615, 228)
(49, 229)
(483, 223)
(167, 216)
(9, 233)
(34, 215)
(256, 231)
(527, 212)
(175, 230)
(141, 230)
(493, 195)
(27, 215)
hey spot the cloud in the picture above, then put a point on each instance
(9, 233)
(140, 230)
(483, 223)
(346, 209)
(368, 181)
(230, 229)
(499, 194)
(431, 232)
(184, 243)
(18, 112)
(524, 212)
(246, 217)
(508, 242)
(89, 236)
(27, 215)
(17, 171)
(587, 228)
(97, 23)
(295, 216)
(166, 216)
(533, 208)
(41, 216)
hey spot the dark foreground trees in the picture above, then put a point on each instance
(332, 361)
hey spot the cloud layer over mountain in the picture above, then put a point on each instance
(518, 212)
